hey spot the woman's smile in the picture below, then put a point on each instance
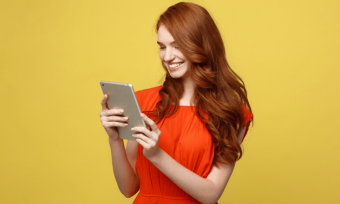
(175, 66)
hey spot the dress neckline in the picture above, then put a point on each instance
(186, 107)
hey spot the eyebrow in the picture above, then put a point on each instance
(171, 43)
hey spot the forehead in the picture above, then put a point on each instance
(164, 35)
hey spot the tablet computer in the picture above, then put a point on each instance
(123, 96)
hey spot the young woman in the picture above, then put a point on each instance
(197, 119)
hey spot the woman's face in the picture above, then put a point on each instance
(175, 62)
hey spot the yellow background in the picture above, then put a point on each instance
(53, 54)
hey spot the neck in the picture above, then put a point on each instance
(189, 88)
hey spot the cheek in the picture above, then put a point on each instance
(180, 55)
(161, 56)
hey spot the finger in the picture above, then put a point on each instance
(150, 122)
(114, 124)
(112, 112)
(146, 132)
(103, 103)
(141, 129)
(117, 119)
(116, 111)
(143, 137)
(108, 119)
(144, 144)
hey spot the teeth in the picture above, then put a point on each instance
(175, 65)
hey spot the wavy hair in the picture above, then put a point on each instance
(219, 90)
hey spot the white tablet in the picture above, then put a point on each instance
(123, 96)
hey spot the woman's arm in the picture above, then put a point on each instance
(207, 190)
(123, 161)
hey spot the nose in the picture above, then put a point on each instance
(168, 55)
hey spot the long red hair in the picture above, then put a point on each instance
(219, 90)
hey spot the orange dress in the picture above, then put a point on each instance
(186, 139)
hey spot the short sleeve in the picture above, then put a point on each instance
(148, 98)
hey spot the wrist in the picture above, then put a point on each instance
(156, 156)
(115, 140)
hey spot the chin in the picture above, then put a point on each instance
(177, 74)
(176, 77)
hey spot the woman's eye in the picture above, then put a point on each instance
(162, 47)
(177, 47)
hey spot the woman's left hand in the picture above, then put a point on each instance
(147, 138)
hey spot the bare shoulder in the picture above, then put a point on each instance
(242, 133)
(220, 173)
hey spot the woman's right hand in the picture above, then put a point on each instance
(112, 118)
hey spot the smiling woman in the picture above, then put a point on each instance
(173, 59)
(197, 119)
